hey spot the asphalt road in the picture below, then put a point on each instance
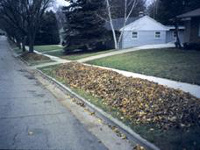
(30, 116)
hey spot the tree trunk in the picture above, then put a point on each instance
(126, 17)
(18, 43)
(178, 43)
(23, 44)
(31, 44)
(115, 39)
(111, 24)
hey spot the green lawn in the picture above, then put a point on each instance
(179, 65)
(76, 56)
(46, 48)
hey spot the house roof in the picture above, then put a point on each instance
(194, 13)
(173, 27)
(145, 23)
(119, 23)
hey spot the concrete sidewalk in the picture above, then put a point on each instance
(169, 45)
(186, 87)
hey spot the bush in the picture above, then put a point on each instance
(192, 46)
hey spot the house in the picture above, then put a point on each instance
(171, 34)
(192, 26)
(144, 30)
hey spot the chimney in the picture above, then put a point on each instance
(141, 14)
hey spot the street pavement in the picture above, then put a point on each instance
(31, 117)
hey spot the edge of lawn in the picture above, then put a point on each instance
(82, 96)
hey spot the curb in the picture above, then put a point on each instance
(100, 113)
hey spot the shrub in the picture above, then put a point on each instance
(192, 46)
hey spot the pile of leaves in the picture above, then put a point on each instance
(141, 101)
(33, 57)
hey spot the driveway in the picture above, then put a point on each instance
(31, 117)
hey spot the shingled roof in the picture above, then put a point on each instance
(119, 23)
(194, 13)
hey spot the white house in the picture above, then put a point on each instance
(144, 30)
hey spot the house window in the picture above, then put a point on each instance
(157, 35)
(134, 35)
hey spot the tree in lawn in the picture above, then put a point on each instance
(163, 10)
(12, 20)
(48, 32)
(34, 12)
(118, 8)
(24, 16)
(83, 30)
(129, 6)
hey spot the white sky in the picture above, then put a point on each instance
(149, 2)
(62, 2)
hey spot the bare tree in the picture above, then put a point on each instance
(12, 21)
(24, 16)
(34, 12)
(129, 7)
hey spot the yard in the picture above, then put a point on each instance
(179, 65)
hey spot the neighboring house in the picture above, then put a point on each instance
(144, 30)
(192, 26)
(171, 34)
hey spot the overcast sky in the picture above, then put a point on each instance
(62, 2)
(149, 1)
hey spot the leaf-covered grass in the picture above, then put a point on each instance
(167, 117)
(35, 59)
(77, 55)
(46, 48)
(179, 65)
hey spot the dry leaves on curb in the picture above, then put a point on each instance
(139, 100)
(33, 57)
